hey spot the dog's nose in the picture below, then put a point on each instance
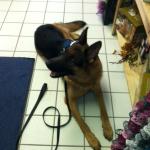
(50, 64)
(55, 65)
(59, 64)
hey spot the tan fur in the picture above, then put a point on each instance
(87, 79)
(79, 86)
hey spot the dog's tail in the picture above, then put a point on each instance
(75, 25)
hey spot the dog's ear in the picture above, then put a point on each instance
(92, 52)
(83, 37)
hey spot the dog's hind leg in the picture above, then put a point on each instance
(92, 140)
(107, 129)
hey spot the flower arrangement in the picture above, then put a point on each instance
(136, 132)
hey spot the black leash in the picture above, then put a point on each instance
(58, 126)
(42, 92)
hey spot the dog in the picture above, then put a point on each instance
(69, 56)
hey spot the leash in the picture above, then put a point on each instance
(58, 126)
(42, 92)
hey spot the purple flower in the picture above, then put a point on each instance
(116, 145)
(122, 139)
(133, 127)
(101, 6)
(139, 106)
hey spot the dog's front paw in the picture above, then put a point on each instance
(107, 131)
(93, 141)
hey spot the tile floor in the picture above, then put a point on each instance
(18, 21)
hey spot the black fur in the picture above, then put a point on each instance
(49, 40)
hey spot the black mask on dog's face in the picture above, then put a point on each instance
(77, 55)
(59, 66)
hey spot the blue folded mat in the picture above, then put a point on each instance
(15, 77)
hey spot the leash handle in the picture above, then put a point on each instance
(42, 92)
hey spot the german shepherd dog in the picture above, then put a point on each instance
(69, 56)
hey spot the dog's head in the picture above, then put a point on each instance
(78, 55)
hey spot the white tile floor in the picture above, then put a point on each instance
(18, 21)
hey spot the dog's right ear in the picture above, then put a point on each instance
(83, 37)
(92, 52)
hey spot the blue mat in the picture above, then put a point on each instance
(15, 77)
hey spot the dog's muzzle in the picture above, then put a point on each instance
(59, 67)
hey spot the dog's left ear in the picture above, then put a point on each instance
(92, 52)
(83, 37)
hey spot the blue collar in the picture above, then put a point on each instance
(67, 43)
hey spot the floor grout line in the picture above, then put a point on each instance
(21, 28)
(6, 14)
